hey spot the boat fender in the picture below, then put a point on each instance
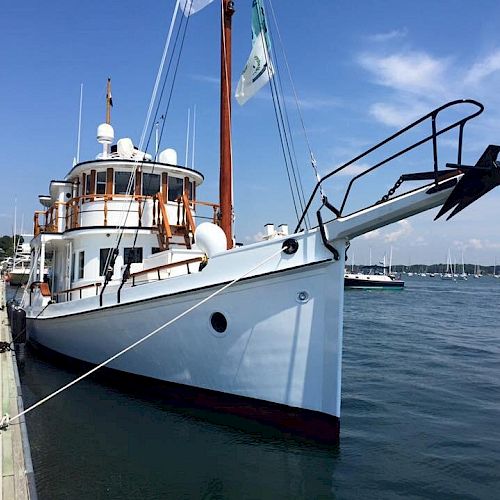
(210, 239)
(18, 325)
(290, 246)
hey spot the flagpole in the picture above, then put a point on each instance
(226, 167)
(109, 102)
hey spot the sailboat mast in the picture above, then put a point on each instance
(226, 166)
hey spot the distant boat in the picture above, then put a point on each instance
(463, 275)
(448, 275)
(372, 277)
(21, 263)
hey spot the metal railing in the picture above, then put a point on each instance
(435, 133)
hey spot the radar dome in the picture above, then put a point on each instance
(210, 239)
(168, 156)
(105, 133)
(125, 147)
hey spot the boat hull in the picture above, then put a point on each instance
(365, 284)
(280, 356)
(18, 278)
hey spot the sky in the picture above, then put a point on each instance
(362, 70)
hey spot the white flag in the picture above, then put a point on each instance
(259, 69)
(190, 7)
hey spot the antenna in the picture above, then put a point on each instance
(194, 137)
(187, 137)
(79, 125)
(109, 102)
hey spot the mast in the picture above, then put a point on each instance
(226, 166)
(109, 102)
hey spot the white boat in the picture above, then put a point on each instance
(21, 263)
(448, 274)
(372, 277)
(128, 256)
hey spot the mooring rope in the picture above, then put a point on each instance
(6, 420)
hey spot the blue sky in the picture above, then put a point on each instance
(361, 69)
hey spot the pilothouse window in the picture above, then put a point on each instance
(122, 180)
(175, 188)
(150, 184)
(101, 183)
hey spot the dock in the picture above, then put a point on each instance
(16, 469)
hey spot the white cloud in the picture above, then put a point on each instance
(372, 235)
(482, 69)
(254, 238)
(475, 243)
(390, 35)
(404, 229)
(354, 169)
(415, 72)
(396, 115)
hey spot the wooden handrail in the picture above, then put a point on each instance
(164, 215)
(191, 224)
(168, 266)
(77, 288)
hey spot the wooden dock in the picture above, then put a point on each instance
(16, 469)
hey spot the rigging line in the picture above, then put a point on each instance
(6, 420)
(293, 154)
(297, 103)
(174, 79)
(141, 162)
(148, 116)
(279, 110)
(263, 27)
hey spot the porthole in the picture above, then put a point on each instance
(218, 322)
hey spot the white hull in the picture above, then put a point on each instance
(277, 347)
(283, 343)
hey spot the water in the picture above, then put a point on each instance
(420, 417)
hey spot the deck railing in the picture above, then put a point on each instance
(71, 212)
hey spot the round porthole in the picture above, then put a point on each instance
(218, 322)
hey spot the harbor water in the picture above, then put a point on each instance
(420, 416)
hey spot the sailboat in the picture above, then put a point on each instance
(136, 280)
(448, 274)
(463, 275)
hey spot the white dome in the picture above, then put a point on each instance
(125, 147)
(168, 156)
(210, 239)
(105, 133)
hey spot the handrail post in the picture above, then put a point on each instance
(434, 147)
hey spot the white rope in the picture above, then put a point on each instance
(6, 420)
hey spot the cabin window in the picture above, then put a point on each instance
(132, 255)
(101, 183)
(190, 190)
(73, 259)
(104, 257)
(81, 263)
(150, 184)
(122, 180)
(87, 184)
(155, 250)
(175, 188)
